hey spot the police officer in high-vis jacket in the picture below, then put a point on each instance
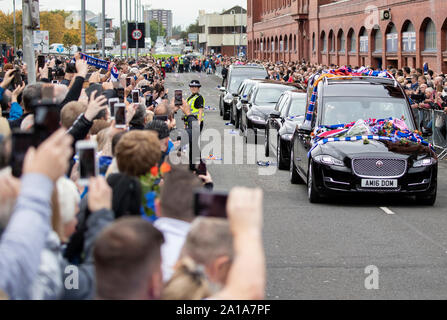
(197, 102)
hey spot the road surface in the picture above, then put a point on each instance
(322, 251)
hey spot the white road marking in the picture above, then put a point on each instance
(387, 210)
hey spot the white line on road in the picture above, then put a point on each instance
(387, 211)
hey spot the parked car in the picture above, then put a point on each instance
(236, 107)
(258, 105)
(361, 166)
(281, 124)
(237, 74)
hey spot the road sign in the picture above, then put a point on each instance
(136, 33)
(41, 41)
(109, 43)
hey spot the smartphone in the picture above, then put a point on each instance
(145, 76)
(144, 89)
(71, 68)
(128, 81)
(55, 82)
(178, 98)
(41, 61)
(21, 142)
(210, 204)
(120, 94)
(88, 161)
(120, 115)
(135, 96)
(148, 100)
(17, 78)
(201, 169)
(112, 103)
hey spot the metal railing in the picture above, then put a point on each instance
(434, 121)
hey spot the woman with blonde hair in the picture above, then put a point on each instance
(188, 282)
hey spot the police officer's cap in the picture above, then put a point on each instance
(195, 83)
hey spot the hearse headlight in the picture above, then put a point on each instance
(423, 163)
(329, 160)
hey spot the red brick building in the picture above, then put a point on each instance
(352, 32)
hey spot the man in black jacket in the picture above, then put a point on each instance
(224, 74)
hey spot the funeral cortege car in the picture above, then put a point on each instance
(359, 135)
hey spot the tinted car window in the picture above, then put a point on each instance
(248, 88)
(298, 106)
(285, 106)
(338, 110)
(270, 94)
(362, 90)
(279, 105)
(239, 75)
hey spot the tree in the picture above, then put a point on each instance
(52, 21)
(194, 27)
(7, 27)
(155, 27)
(70, 39)
(176, 31)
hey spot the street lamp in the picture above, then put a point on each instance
(15, 39)
(233, 12)
(83, 26)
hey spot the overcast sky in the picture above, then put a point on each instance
(184, 12)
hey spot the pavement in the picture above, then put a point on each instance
(323, 251)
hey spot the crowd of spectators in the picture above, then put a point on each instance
(132, 231)
(426, 89)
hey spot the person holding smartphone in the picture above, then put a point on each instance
(197, 102)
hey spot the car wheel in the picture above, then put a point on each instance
(266, 143)
(312, 192)
(282, 165)
(294, 176)
(428, 199)
(226, 115)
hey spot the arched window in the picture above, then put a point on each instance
(323, 42)
(364, 41)
(313, 42)
(408, 38)
(352, 42)
(430, 37)
(378, 40)
(342, 41)
(444, 36)
(391, 39)
(331, 41)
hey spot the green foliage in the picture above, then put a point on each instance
(155, 28)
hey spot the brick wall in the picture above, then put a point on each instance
(303, 20)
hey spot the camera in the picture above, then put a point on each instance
(418, 98)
